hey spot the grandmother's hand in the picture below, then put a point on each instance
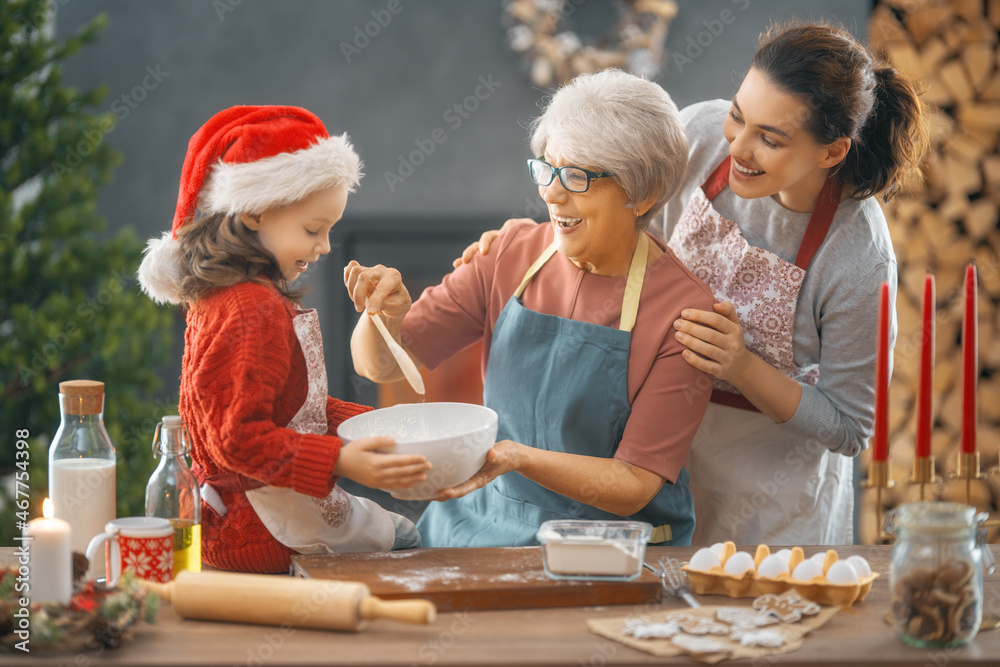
(502, 458)
(377, 288)
(482, 246)
(717, 338)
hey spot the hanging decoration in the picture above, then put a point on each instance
(555, 55)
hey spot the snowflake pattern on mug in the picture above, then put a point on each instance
(150, 558)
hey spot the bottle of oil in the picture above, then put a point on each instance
(172, 492)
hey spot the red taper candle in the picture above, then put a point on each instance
(880, 442)
(925, 396)
(970, 362)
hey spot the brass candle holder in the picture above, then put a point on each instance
(879, 477)
(968, 469)
(923, 474)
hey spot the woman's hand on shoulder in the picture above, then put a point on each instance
(367, 461)
(482, 246)
(378, 289)
(715, 341)
(502, 458)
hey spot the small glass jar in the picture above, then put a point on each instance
(936, 575)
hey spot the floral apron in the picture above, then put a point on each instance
(561, 385)
(340, 522)
(747, 487)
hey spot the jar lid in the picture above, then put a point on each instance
(81, 388)
(82, 397)
(936, 516)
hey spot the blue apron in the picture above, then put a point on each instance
(561, 385)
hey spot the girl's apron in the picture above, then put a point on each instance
(338, 523)
(749, 487)
(559, 385)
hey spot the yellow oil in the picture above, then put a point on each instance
(187, 546)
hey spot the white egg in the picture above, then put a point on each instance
(717, 550)
(861, 565)
(785, 554)
(772, 566)
(841, 572)
(704, 560)
(819, 558)
(738, 563)
(807, 570)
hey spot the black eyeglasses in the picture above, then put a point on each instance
(574, 179)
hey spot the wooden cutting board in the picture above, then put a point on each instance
(474, 579)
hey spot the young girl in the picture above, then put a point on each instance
(777, 213)
(261, 188)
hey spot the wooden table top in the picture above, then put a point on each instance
(549, 636)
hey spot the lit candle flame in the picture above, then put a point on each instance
(47, 509)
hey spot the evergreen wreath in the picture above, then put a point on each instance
(554, 56)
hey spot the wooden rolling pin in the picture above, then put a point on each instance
(276, 600)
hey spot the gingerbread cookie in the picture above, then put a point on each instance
(700, 644)
(788, 607)
(766, 637)
(698, 625)
(650, 630)
(744, 617)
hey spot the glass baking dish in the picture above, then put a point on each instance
(593, 550)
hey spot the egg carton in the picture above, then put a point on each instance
(751, 585)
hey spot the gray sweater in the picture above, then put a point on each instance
(837, 312)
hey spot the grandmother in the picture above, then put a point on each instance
(597, 406)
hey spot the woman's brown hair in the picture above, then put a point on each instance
(850, 92)
(218, 250)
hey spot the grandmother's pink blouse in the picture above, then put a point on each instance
(667, 395)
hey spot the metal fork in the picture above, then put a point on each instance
(675, 581)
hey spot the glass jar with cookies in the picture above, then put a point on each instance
(936, 575)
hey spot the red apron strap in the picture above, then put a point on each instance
(717, 180)
(731, 400)
(819, 222)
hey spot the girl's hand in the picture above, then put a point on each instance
(364, 461)
(717, 338)
(502, 458)
(482, 246)
(377, 288)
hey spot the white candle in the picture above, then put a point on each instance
(50, 578)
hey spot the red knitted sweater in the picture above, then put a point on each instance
(243, 378)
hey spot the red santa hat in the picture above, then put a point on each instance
(247, 159)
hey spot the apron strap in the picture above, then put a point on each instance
(633, 284)
(661, 534)
(534, 268)
(819, 221)
(717, 180)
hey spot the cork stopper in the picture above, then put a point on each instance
(82, 397)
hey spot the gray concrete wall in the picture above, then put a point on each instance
(388, 80)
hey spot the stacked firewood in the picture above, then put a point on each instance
(943, 223)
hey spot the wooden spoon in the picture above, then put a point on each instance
(399, 354)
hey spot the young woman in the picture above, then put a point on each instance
(778, 214)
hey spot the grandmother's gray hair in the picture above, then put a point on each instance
(615, 121)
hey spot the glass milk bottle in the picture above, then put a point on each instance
(82, 467)
(172, 492)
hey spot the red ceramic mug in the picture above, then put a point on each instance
(142, 544)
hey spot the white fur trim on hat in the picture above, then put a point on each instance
(160, 270)
(254, 187)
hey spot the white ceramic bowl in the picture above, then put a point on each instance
(454, 437)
